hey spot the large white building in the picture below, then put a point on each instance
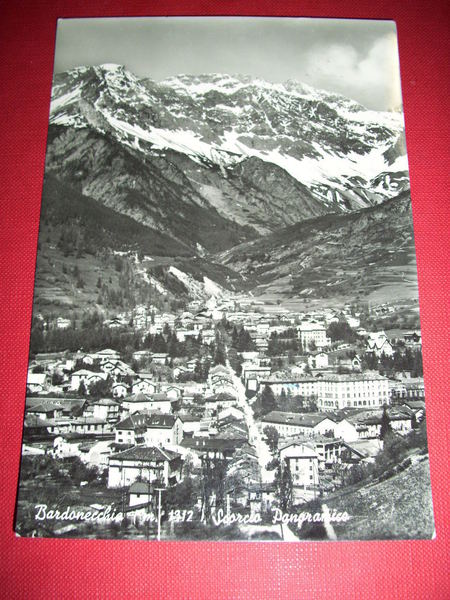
(336, 391)
(300, 386)
(369, 389)
(313, 332)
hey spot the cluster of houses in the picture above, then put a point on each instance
(348, 425)
(146, 428)
(316, 445)
(145, 436)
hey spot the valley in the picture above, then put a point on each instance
(226, 284)
(216, 185)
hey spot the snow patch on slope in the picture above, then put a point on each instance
(198, 289)
(212, 288)
(180, 140)
(65, 99)
(325, 169)
(370, 117)
(223, 84)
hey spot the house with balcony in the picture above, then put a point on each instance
(150, 464)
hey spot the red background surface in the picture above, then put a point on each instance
(44, 568)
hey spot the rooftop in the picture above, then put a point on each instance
(366, 376)
(220, 397)
(203, 443)
(147, 420)
(140, 397)
(315, 440)
(145, 453)
(106, 402)
(290, 418)
(189, 418)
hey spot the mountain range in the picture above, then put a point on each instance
(218, 170)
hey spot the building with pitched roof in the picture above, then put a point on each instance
(379, 344)
(140, 401)
(220, 400)
(86, 377)
(143, 384)
(151, 428)
(144, 463)
(289, 424)
(213, 447)
(105, 409)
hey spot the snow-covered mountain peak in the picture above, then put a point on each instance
(199, 85)
(325, 142)
(111, 67)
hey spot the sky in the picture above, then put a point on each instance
(357, 58)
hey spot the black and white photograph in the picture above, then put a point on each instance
(225, 342)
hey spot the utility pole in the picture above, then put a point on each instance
(149, 506)
(159, 490)
(124, 493)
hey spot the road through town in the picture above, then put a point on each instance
(255, 437)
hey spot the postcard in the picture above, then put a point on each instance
(225, 340)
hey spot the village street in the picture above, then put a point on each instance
(287, 534)
(255, 437)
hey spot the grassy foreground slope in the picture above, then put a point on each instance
(398, 508)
